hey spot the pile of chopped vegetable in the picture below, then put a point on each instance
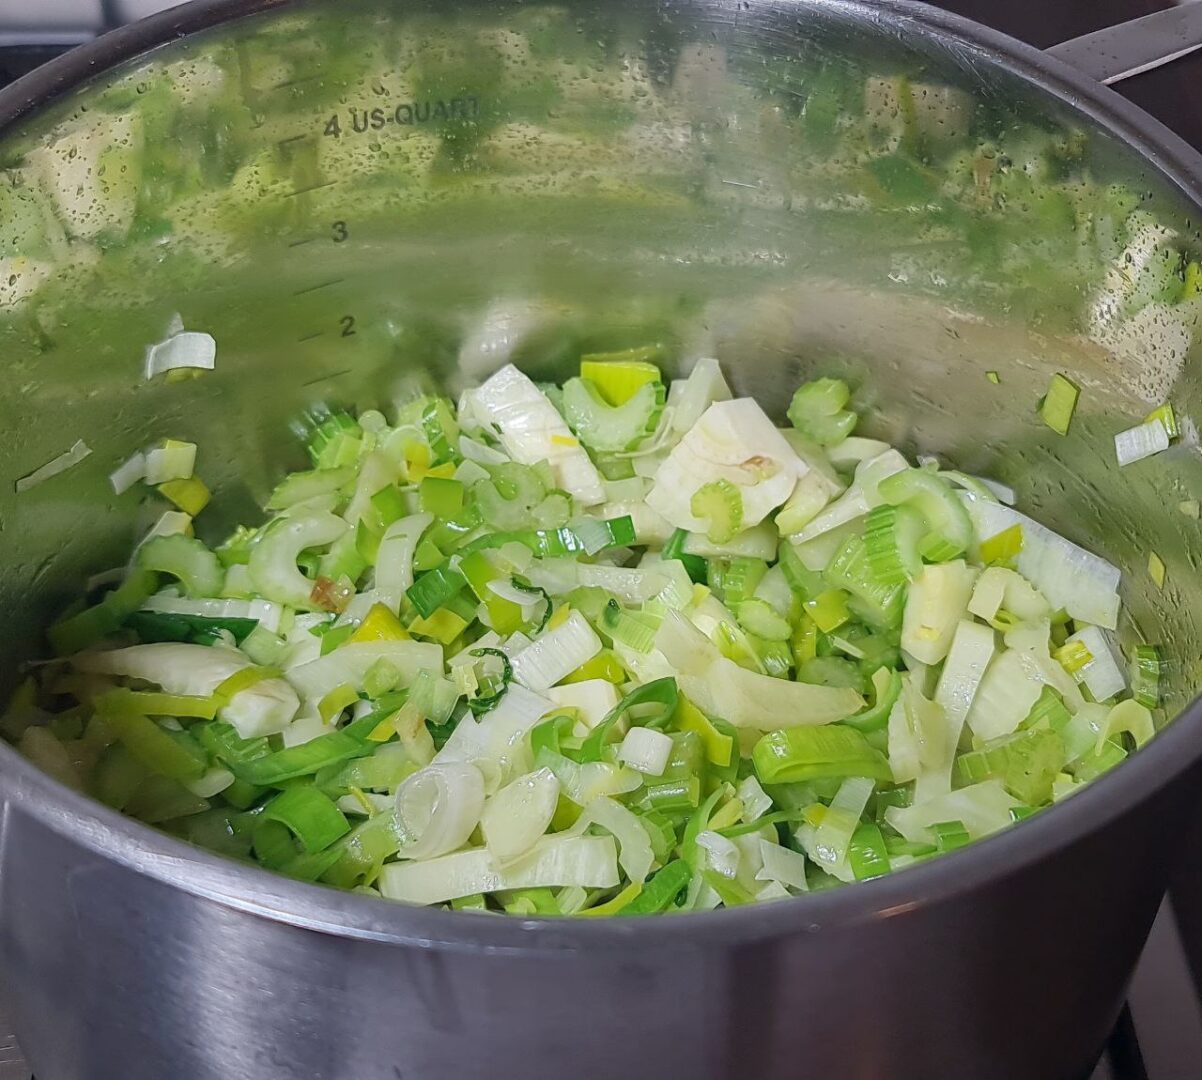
(615, 647)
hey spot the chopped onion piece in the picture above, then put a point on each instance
(79, 450)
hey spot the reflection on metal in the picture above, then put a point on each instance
(1131, 48)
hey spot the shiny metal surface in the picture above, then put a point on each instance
(1120, 52)
(608, 176)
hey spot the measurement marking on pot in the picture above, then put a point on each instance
(292, 139)
(359, 121)
(297, 81)
(325, 378)
(740, 183)
(314, 288)
(310, 337)
(311, 187)
(303, 240)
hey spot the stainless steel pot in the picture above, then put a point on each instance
(348, 195)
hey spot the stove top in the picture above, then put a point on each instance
(1159, 1033)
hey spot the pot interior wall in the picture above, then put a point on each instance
(361, 199)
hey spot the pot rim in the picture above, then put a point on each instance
(324, 909)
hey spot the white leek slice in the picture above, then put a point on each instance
(1129, 716)
(719, 853)
(590, 862)
(1069, 577)
(774, 590)
(756, 801)
(969, 656)
(196, 671)
(719, 687)
(649, 527)
(495, 743)
(758, 542)
(187, 349)
(853, 450)
(1010, 688)
(783, 865)
(479, 453)
(556, 653)
(582, 783)
(630, 585)
(438, 807)
(688, 398)
(814, 490)
(264, 612)
(170, 523)
(593, 699)
(832, 838)
(634, 844)
(936, 603)
(273, 568)
(213, 782)
(66, 460)
(519, 814)
(350, 663)
(646, 750)
(172, 461)
(858, 499)
(1141, 441)
(128, 473)
(917, 732)
(366, 803)
(982, 808)
(532, 430)
(1103, 675)
(376, 472)
(733, 441)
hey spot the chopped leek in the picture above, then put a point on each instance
(1059, 403)
(622, 648)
